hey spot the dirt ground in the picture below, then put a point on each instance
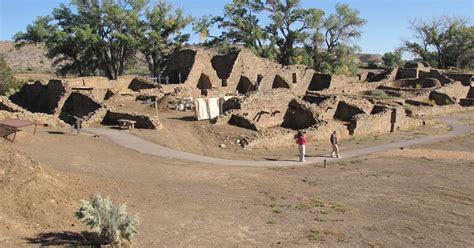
(181, 132)
(380, 200)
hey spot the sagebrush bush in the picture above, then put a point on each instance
(109, 220)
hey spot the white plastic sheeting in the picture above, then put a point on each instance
(213, 106)
(200, 105)
(208, 108)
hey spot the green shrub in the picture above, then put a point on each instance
(109, 220)
(7, 81)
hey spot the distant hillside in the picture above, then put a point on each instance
(366, 57)
(29, 58)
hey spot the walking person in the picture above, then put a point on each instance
(301, 140)
(335, 147)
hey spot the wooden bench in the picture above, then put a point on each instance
(124, 123)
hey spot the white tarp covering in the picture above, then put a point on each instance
(213, 107)
(201, 109)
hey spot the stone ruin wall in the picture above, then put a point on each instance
(244, 67)
(265, 110)
(59, 102)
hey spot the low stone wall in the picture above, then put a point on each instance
(439, 110)
(364, 124)
(266, 108)
(435, 74)
(455, 90)
(470, 94)
(142, 121)
(387, 75)
(348, 108)
(317, 136)
(466, 102)
(404, 73)
(39, 97)
(40, 118)
(138, 84)
(80, 105)
(95, 118)
(300, 115)
(441, 98)
(244, 122)
(7, 105)
(464, 78)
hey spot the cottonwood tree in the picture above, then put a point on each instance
(36, 32)
(89, 37)
(392, 59)
(115, 26)
(161, 34)
(442, 41)
(289, 26)
(332, 45)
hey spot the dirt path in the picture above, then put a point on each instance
(128, 140)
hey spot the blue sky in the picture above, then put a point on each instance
(387, 19)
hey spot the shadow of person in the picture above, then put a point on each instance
(73, 239)
(284, 160)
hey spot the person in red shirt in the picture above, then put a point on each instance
(301, 140)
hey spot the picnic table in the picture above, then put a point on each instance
(125, 123)
(12, 126)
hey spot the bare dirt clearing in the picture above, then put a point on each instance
(372, 201)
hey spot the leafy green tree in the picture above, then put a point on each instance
(242, 26)
(392, 59)
(7, 81)
(331, 46)
(342, 27)
(289, 26)
(115, 25)
(36, 32)
(92, 35)
(442, 41)
(73, 44)
(161, 34)
(342, 61)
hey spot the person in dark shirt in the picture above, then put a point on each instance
(335, 147)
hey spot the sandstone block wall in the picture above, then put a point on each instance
(38, 97)
(40, 118)
(265, 109)
(464, 78)
(455, 90)
(138, 84)
(470, 94)
(436, 74)
(79, 105)
(300, 115)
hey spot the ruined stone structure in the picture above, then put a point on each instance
(266, 97)
(242, 71)
(57, 103)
